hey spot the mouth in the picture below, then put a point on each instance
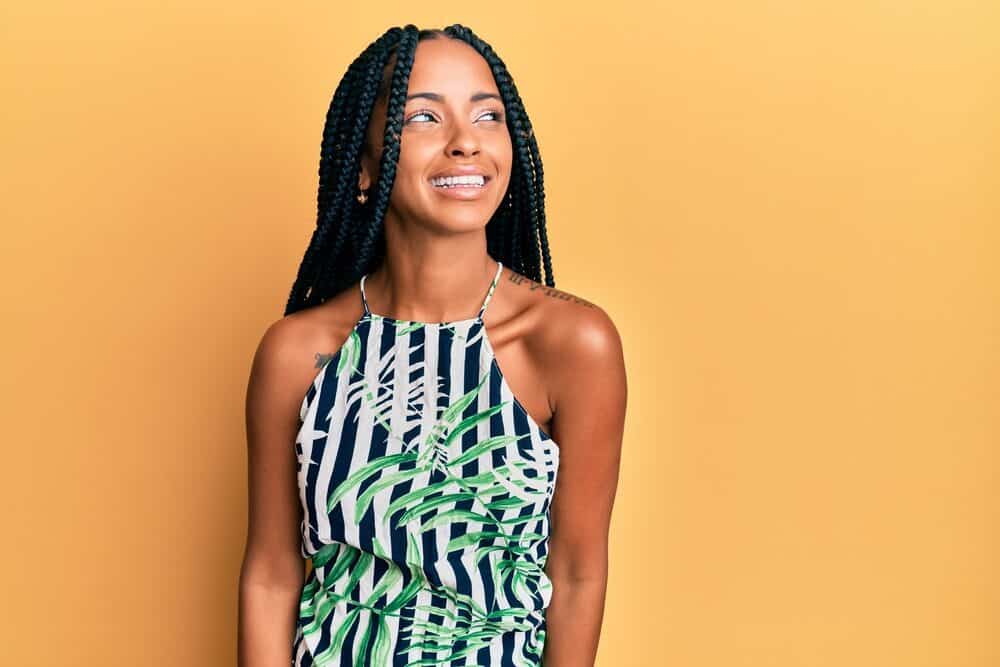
(470, 182)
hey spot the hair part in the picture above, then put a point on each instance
(349, 239)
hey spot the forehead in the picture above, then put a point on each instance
(450, 67)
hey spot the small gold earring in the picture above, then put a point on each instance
(362, 198)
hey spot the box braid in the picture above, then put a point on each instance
(348, 240)
(529, 249)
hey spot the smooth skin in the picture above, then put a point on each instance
(560, 354)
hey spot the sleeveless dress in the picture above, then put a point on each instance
(425, 488)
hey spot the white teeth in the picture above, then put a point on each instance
(450, 181)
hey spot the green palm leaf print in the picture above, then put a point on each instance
(491, 496)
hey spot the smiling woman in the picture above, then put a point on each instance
(420, 488)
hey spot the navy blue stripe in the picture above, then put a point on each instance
(382, 399)
(428, 538)
(349, 433)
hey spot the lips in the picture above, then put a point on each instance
(463, 192)
(461, 171)
(486, 181)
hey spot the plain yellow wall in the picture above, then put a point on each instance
(790, 209)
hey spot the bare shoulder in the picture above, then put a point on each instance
(569, 328)
(584, 374)
(293, 348)
(284, 365)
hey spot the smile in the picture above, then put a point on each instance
(471, 181)
(467, 187)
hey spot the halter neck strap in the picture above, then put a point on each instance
(364, 301)
(489, 293)
(482, 309)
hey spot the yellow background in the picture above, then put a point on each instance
(790, 209)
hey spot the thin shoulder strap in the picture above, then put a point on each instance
(489, 294)
(364, 301)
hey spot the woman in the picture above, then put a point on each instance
(423, 482)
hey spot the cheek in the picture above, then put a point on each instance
(411, 167)
(410, 164)
(505, 155)
(506, 166)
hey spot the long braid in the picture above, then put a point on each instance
(349, 238)
(347, 177)
(335, 158)
(523, 138)
(391, 142)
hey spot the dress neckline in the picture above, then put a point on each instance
(448, 323)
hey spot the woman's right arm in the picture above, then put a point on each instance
(272, 573)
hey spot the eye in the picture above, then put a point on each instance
(498, 114)
(419, 113)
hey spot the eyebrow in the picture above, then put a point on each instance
(437, 97)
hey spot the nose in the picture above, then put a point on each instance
(463, 141)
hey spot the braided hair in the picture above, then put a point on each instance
(349, 240)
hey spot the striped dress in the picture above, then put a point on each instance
(425, 488)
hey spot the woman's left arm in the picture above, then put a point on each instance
(588, 391)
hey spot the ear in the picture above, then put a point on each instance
(364, 178)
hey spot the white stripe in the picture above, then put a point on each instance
(482, 465)
(336, 423)
(427, 421)
(397, 422)
(362, 455)
(361, 447)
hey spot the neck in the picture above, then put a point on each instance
(438, 283)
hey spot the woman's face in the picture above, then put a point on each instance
(454, 121)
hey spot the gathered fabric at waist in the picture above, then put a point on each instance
(377, 611)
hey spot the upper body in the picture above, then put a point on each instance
(560, 354)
